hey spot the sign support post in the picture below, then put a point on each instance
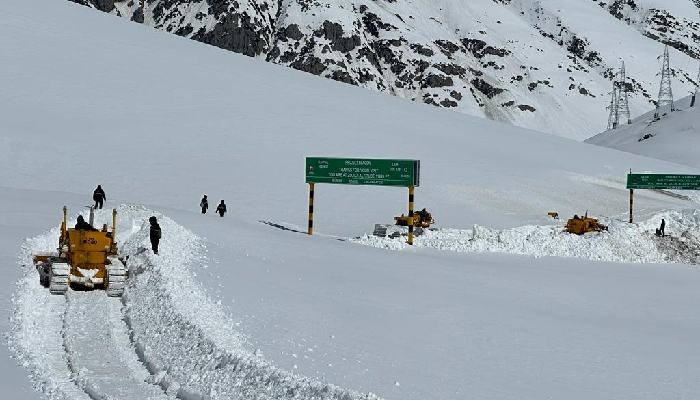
(411, 193)
(631, 203)
(311, 208)
(631, 199)
(363, 171)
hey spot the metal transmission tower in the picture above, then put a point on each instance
(665, 91)
(623, 106)
(619, 104)
(614, 107)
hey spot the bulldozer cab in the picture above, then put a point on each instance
(88, 249)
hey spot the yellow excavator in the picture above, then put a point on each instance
(86, 258)
(580, 225)
(420, 219)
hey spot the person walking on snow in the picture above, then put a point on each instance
(99, 196)
(221, 208)
(155, 234)
(662, 228)
(204, 204)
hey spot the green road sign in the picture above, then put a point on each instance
(663, 181)
(358, 171)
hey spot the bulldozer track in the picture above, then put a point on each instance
(99, 351)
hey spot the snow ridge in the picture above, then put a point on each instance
(180, 330)
(635, 243)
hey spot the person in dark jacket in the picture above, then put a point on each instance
(662, 229)
(204, 204)
(221, 208)
(99, 196)
(82, 225)
(155, 234)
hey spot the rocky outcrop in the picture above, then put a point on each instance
(423, 52)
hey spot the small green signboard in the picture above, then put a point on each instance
(663, 181)
(359, 171)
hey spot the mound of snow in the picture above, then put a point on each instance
(623, 242)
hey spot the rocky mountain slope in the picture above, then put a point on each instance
(545, 64)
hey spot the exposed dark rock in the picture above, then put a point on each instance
(424, 51)
(451, 69)
(310, 64)
(480, 48)
(292, 31)
(138, 15)
(435, 81)
(448, 103)
(525, 107)
(235, 32)
(485, 88)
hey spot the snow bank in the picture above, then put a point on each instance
(623, 242)
(186, 338)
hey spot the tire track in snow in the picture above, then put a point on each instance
(100, 352)
(77, 346)
(37, 339)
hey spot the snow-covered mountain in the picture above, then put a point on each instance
(674, 136)
(541, 64)
(235, 308)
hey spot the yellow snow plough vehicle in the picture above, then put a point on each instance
(85, 258)
(420, 219)
(580, 225)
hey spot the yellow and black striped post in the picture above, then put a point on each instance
(311, 209)
(410, 214)
(631, 204)
(631, 198)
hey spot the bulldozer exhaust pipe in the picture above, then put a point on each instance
(114, 224)
(92, 216)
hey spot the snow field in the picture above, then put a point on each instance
(623, 242)
(168, 339)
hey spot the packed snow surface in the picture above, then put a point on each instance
(234, 307)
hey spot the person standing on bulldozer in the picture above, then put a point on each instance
(82, 225)
(221, 208)
(154, 234)
(99, 196)
(204, 204)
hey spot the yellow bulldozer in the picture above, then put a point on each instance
(85, 258)
(420, 219)
(580, 225)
